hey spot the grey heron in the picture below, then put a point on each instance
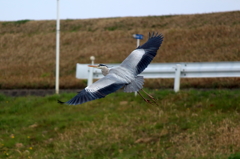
(125, 75)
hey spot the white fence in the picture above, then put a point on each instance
(172, 70)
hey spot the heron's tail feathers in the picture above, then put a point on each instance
(135, 85)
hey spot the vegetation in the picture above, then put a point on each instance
(189, 124)
(27, 58)
(16, 23)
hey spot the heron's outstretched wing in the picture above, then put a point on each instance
(99, 89)
(140, 58)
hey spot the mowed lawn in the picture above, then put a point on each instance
(200, 124)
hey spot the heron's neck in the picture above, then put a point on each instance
(105, 71)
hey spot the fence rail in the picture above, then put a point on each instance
(173, 70)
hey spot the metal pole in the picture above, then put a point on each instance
(90, 75)
(177, 78)
(57, 49)
(138, 43)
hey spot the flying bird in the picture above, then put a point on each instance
(125, 75)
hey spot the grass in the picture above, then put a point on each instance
(27, 47)
(16, 23)
(188, 124)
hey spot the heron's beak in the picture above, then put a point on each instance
(93, 66)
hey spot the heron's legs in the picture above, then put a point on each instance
(151, 97)
(146, 100)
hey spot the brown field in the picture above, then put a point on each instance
(27, 48)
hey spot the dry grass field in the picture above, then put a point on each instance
(27, 48)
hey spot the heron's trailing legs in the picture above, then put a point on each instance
(146, 100)
(152, 101)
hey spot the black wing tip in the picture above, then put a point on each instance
(154, 40)
(153, 34)
(60, 102)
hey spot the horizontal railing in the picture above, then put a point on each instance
(172, 70)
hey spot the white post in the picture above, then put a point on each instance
(90, 75)
(138, 42)
(57, 49)
(177, 78)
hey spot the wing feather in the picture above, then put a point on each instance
(99, 89)
(140, 58)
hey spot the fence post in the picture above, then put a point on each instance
(177, 78)
(90, 74)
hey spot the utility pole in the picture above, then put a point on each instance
(57, 50)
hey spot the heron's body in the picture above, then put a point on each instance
(125, 75)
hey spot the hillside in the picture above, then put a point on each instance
(27, 58)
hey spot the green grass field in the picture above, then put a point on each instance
(190, 124)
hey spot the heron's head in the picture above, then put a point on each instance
(100, 66)
(103, 67)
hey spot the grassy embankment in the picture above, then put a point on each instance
(189, 124)
(27, 58)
